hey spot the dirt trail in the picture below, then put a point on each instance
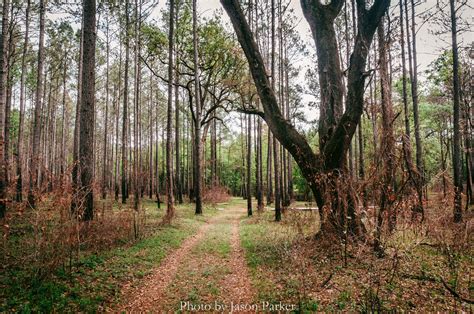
(237, 282)
(150, 292)
(153, 295)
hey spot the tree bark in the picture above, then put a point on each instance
(86, 140)
(456, 120)
(414, 95)
(106, 125)
(136, 120)
(179, 188)
(249, 165)
(125, 108)
(276, 159)
(3, 94)
(8, 103)
(169, 120)
(117, 128)
(75, 166)
(34, 158)
(63, 122)
(19, 159)
(197, 118)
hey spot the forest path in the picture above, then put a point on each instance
(209, 269)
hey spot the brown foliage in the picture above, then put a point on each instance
(216, 194)
(48, 237)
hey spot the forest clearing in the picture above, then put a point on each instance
(236, 156)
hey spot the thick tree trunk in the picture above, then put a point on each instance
(321, 22)
(336, 147)
(86, 141)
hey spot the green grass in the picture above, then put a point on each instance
(96, 279)
(263, 241)
(202, 272)
(216, 241)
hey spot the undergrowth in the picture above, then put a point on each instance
(288, 264)
(91, 281)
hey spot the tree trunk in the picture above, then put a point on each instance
(117, 128)
(86, 140)
(269, 168)
(125, 108)
(249, 165)
(276, 159)
(151, 173)
(259, 164)
(197, 118)
(19, 159)
(136, 118)
(414, 94)
(456, 120)
(63, 122)
(179, 188)
(213, 151)
(75, 166)
(106, 126)
(335, 149)
(3, 94)
(8, 104)
(34, 159)
(169, 120)
(387, 146)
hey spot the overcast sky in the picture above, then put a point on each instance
(429, 46)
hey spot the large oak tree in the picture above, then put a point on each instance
(337, 126)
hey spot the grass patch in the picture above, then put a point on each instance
(216, 241)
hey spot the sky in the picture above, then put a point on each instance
(429, 46)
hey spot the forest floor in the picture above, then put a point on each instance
(227, 261)
(245, 264)
(209, 269)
